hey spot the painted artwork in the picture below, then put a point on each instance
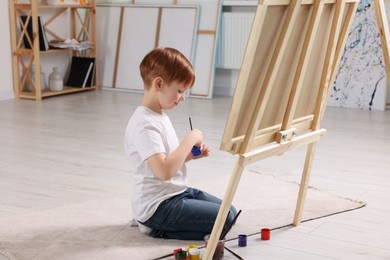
(361, 81)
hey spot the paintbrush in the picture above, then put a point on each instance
(190, 123)
(195, 149)
(224, 233)
(236, 255)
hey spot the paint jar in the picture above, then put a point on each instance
(219, 250)
(265, 233)
(194, 253)
(181, 255)
(242, 240)
(177, 251)
(191, 246)
(196, 150)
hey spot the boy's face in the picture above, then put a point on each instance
(171, 94)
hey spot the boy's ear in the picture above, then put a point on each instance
(157, 82)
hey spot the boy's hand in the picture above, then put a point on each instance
(204, 152)
(196, 136)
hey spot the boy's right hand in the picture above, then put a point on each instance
(196, 137)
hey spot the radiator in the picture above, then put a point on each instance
(233, 38)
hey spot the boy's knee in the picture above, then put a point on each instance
(233, 211)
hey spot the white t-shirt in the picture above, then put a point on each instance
(150, 133)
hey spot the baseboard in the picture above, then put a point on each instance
(6, 94)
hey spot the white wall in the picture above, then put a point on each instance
(6, 83)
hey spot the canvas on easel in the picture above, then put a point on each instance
(289, 65)
(384, 34)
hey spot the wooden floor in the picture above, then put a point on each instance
(69, 149)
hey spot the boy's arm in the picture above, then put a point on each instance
(165, 166)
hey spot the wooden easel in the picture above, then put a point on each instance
(288, 69)
(384, 35)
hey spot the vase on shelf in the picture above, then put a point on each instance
(56, 82)
(32, 77)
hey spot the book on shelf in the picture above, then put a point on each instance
(81, 72)
(43, 42)
(71, 44)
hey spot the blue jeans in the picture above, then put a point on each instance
(187, 216)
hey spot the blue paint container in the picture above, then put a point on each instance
(196, 150)
(242, 240)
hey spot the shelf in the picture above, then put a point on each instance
(31, 52)
(28, 6)
(64, 6)
(66, 90)
(82, 27)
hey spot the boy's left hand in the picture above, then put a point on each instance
(204, 152)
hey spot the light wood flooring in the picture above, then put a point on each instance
(69, 149)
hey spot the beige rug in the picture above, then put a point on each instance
(98, 229)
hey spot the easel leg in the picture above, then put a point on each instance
(304, 183)
(224, 209)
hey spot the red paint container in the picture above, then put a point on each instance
(265, 233)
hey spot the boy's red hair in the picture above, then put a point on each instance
(169, 64)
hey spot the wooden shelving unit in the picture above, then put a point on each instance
(82, 28)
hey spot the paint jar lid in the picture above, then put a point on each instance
(194, 251)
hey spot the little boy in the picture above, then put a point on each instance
(163, 205)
